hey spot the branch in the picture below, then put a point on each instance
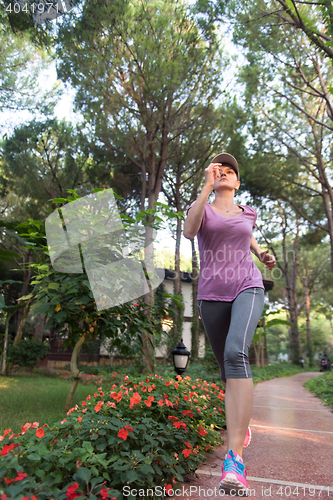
(299, 211)
(299, 107)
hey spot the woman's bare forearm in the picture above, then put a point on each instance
(194, 217)
(255, 247)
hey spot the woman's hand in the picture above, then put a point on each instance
(268, 260)
(211, 173)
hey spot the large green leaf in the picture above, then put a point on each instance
(277, 321)
(8, 255)
(82, 475)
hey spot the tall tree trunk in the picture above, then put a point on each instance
(307, 311)
(176, 329)
(291, 281)
(195, 328)
(5, 344)
(39, 324)
(256, 348)
(148, 356)
(155, 171)
(262, 343)
(20, 328)
(75, 372)
(19, 332)
(24, 289)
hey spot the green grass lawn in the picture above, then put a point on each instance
(35, 399)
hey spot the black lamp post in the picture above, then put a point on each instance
(180, 357)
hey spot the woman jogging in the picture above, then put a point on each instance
(230, 300)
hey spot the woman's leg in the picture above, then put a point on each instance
(245, 314)
(215, 317)
(238, 410)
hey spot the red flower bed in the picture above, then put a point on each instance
(148, 431)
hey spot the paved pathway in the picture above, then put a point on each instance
(291, 452)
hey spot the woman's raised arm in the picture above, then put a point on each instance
(194, 217)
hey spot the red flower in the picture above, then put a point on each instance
(25, 427)
(79, 419)
(186, 398)
(88, 397)
(7, 431)
(40, 432)
(168, 488)
(120, 395)
(20, 475)
(70, 493)
(186, 453)
(180, 424)
(9, 481)
(7, 448)
(135, 399)
(122, 434)
(149, 400)
(104, 493)
(83, 403)
(3, 497)
(188, 444)
(161, 402)
(187, 412)
(128, 428)
(99, 406)
(202, 431)
(168, 403)
(172, 417)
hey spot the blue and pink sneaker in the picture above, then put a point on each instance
(233, 479)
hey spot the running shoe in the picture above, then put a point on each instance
(248, 437)
(233, 479)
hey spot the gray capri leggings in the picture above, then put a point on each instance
(230, 327)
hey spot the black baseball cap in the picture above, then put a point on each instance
(227, 159)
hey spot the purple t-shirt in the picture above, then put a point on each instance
(226, 265)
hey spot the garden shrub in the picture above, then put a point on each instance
(322, 386)
(28, 353)
(142, 433)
